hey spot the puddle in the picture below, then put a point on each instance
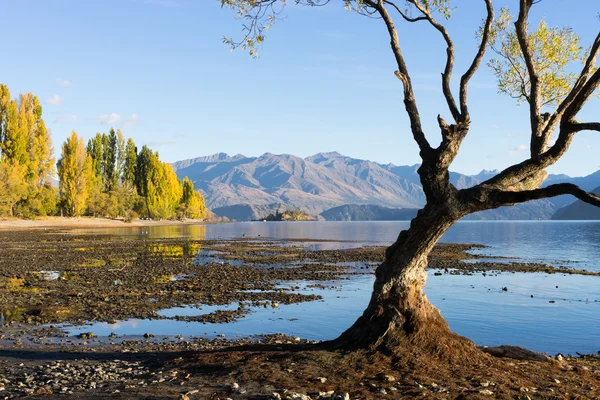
(553, 320)
(196, 310)
(50, 275)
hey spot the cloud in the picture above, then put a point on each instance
(108, 119)
(517, 150)
(133, 120)
(64, 118)
(55, 100)
(63, 82)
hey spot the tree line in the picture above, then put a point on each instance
(108, 177)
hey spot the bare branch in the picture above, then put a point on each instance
(500, 197)
(464, 80)
(410, 102)
(403, 14)
(586, 126)
(588, 67)
(449, 59)
(582, 97)
(534, 96)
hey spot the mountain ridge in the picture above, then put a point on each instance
(329, 179)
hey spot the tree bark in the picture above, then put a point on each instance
(399, 313)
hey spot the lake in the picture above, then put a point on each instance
(546, 313)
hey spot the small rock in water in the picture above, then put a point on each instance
(148, 335)
(86, 335)
(505, 289)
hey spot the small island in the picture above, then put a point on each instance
(289, 215)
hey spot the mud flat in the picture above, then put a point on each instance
(51, 277)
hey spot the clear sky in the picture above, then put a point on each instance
(324, 81)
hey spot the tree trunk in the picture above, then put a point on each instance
(399, 313)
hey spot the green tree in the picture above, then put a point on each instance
(109, 168)
(95, 150)
(129, 164)
(534, 66)
(75, 174)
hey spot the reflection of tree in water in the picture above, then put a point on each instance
(9, 316)
(175, 231)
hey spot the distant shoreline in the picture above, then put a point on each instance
(86, 222)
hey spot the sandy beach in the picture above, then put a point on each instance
(84, 222)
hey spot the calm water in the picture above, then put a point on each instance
(475, 306)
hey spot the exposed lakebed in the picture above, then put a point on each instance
(166, 286)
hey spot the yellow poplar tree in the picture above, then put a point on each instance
(192, 201)
(75, 173)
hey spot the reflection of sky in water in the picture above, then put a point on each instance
(571, 243)
(475, 306)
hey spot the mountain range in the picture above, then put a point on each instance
(242, 188)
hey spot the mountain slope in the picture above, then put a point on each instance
(328, 180)
(354, 212)
(579, 210)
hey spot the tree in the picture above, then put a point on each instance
(192, 201)
(75, 174)
(26, 147)
(12, 186)
(532, 67)
(129, 163)
(110, 160)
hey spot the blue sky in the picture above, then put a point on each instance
(324, 81)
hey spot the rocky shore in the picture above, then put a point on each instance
(51, 277)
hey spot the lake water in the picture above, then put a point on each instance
(562, 316)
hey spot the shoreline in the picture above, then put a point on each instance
(87, 222)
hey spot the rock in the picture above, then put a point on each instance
(486, 392)
(514, 352)
(321, 379)
(235, 386)
(148, 335)
(299, 396)
(505, 289)
(183, 396)
(276, 396)
(42, 390)
(86, 335)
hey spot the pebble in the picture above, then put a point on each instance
(63, 377)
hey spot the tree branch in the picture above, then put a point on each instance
(410, 102)
(534, 96)
(464, 80)
(588, 67)
(585, 126)
(403, 14)
(447, 74)
(500, 197)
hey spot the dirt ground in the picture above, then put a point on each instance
(49, 276)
